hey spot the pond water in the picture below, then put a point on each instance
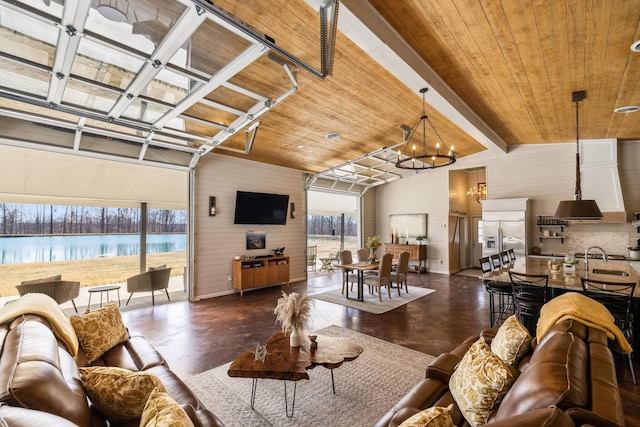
(17, 250)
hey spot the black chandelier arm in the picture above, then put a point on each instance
(426, 161)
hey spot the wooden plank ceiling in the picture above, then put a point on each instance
(514, 63)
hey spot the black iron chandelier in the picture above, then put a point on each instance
(420, 158)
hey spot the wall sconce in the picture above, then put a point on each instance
(212, 206)
(292, 209)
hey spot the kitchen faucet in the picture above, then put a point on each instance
(586, 257)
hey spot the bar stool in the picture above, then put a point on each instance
(617, 298)
(529, 295)
(512, 255)
(498, 289)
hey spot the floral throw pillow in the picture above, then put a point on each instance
(100, 331)
(479, 382)
(119, 394)
(512, 341)
(161, 410)
(431, 417)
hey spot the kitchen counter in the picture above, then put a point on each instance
(571, 281)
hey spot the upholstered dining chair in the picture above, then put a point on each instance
(529, 295)
(496, 289)
(312, 252)
(347, 276)
(383, 278)
(363, 254)
(617, 298)
(399, 276)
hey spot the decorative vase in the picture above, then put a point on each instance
(372, 255)
(295, 338)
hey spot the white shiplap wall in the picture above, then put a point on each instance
(544, 173)
(217, 239)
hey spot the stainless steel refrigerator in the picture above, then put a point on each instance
(504, 230)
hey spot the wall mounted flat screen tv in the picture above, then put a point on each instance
(261, 208)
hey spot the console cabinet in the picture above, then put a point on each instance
(260, 272)
(416, 253)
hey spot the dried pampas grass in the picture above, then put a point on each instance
(293, 311)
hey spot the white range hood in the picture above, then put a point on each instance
(600, 179)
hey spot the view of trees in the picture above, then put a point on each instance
(48, 219)
(324, 224)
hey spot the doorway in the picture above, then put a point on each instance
(332, 226)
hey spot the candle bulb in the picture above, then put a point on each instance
(437, 148)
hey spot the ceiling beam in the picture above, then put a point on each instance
(361, 23)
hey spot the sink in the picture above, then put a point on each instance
(612, 272)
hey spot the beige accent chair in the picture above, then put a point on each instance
(400, 275)
(312, 252)
(383, 278)
(60, 290)
(152, 280)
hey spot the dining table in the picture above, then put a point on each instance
(360, 268)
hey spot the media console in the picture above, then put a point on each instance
(260, 272)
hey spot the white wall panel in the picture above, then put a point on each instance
(218, 239)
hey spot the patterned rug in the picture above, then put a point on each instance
(366, 388)
(371, 303)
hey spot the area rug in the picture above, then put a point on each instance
(371, 303)
(366, 388)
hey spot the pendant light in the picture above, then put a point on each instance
(578, 209)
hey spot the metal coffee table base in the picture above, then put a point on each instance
(254, 387)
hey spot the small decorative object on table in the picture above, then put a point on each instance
(260, 352)
(569, 264)
(293, 313)
(373, 243)
(314, 343)
(278, 251)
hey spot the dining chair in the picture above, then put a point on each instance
(399, 276)
(383, 278)
(312, 252)
(496, 289)
(363, 254)
(617, 298)
(347, 276)
(529, 295)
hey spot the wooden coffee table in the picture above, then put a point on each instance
(287, 363)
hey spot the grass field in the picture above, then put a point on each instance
(89, 272)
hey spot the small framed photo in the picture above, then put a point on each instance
(256, 240)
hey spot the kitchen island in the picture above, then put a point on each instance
(608, 271)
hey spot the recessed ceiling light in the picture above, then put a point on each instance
(635, 46)
(628, 109)
(332, 136)
(300, 146)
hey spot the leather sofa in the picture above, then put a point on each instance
(566, 379)
(40, 380)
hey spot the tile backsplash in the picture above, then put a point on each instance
(612, 242)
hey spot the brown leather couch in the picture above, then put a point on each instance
(567, 379)
(40, 381)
